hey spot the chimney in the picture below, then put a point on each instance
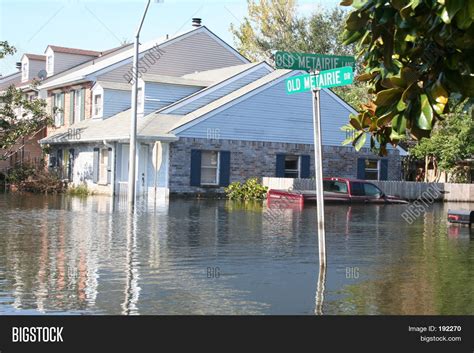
(18, 65)
(196, 22)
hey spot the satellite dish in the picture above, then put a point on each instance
(42, 74)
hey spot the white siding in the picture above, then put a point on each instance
(115, 101)
(35, 67)
(197, 52)
(220, 92)
(159, 95)
(273, 115)
(63, 61)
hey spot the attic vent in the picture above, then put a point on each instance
(18, 65)
(196, 22)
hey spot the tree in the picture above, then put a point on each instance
(19, 116)
(417, 57)
(452, 141)
(274, 25)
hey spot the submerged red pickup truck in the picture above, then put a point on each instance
(338, 190)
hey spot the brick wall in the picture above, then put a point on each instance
(258, 159)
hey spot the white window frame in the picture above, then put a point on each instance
(59, 114)
(140, 100)
(49, 64)
(372, 169)
(217, 167)
(298, 162)
(24, 71)
(98, 114)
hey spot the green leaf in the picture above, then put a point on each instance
(388, 97)
(451, 9)
(350, 37)
(425, 118)
(470, 9)
(359, 142)
(463, 19)
(399, 124)
(439, 97)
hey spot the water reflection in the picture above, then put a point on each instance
(72, 255)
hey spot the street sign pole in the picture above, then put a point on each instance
(318, 168)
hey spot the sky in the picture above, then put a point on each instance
(103, 24)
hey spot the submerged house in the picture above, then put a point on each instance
(206, 117)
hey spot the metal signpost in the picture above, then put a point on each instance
(333, 75)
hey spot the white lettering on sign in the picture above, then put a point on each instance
(318, 63)
(327, 79)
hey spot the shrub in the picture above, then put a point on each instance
(80, 190)
(250, 190)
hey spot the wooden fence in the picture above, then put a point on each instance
(409, 190)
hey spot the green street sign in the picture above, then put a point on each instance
(330, 78)
(311, 62)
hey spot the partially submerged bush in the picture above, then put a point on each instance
(80, 190)
(250, 190)
(33, 179)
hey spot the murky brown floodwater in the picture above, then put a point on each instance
(73, 256)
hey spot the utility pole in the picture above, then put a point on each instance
(318, 168)
(133, 119)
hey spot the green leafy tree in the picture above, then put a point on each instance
(19, 116)
(452, 141)
(417, 57)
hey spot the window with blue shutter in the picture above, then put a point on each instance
(195, 168)
(95, 167)
(361, 168)
(383, 169)
(280, 166)
(224, 168)
(305, 165)
(82, 104)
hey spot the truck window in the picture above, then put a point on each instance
(335, 186)
(357, 189)
(371, 190)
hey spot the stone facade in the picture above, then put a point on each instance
(258, 159)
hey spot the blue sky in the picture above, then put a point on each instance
(103, 24)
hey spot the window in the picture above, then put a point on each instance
(209, 167)
(140, 100)
(292, 167)
(357, 189)
(58, 103)
(98, 105)
(372, 190)
(49, 64)
(24, 72)
(371, 169)
(335, 186)
(103, 166)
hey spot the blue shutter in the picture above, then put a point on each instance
(383, 169)
(280, 166)
(95, 170)
(109, 166)
(70, 169)
(361, 168)
(304, 165)
(62, 109)
(224, 168)
(195, 168)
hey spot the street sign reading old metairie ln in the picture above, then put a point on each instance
(330, 78)
(311, 62)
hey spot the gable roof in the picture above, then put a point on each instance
(35, 57)
(74, 51)
(175, 80)
(254, 86)
(114, 60)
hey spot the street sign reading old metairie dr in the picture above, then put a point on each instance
(330, 78)
(311, 62)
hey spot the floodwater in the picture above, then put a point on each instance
(72, 255)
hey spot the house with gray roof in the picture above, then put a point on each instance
(206, 117)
